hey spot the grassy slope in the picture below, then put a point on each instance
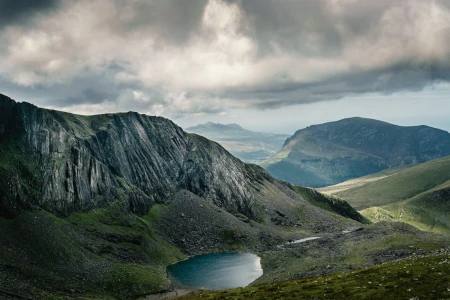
(419, 277)
(361, 247)
(415, 195)
(427, 211)
(357, 182)
(330, 203)
(103, 254)
(401, 186)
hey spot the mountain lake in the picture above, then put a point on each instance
(217, 271)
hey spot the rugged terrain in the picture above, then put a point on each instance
(330, 153)
(96, 207)
(418, 195)
(249, 146)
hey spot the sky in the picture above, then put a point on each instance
(268, 65)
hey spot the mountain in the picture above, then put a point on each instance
(97, 206)
(418, 195)
(249, 146)
(330, 153)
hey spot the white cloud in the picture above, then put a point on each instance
(223, 62)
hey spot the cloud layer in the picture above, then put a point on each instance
(179, 57)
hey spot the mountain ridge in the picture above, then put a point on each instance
(92, 154)
(330, 153)
(217, 125)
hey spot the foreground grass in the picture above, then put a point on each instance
(412, 278)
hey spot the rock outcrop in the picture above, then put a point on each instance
(84, 162)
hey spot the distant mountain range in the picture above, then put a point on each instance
(418, 195)
(249, 146)
(330, 153)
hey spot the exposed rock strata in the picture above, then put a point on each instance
(89, 161)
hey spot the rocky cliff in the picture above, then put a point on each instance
(83, 162)
(331, 153)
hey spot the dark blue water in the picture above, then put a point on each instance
(216, 271)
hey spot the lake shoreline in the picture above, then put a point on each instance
(215, 271)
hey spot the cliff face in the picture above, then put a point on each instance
(77, 163)
(333, 152)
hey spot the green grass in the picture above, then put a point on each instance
(428, 211)
(400, 186)
(353, 183)
(418, 195)
(414, 278)
(377, 243)
(105, 254)
(329, 203)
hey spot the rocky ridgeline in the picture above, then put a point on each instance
(331, 153)
(75, 163)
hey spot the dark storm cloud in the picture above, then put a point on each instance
(313, 29)
(206, 56)
(19, 11)
(173, 20)
(290, 24)
(400, 77)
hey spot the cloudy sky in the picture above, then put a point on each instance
(269, 65)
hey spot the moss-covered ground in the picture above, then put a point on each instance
(102, 254)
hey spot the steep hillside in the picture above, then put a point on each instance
(419, 195)
(249, 146)
(330, 153)
(330, 203)
(98, 206)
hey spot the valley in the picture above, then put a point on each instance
(96, 207)
(248, 146)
